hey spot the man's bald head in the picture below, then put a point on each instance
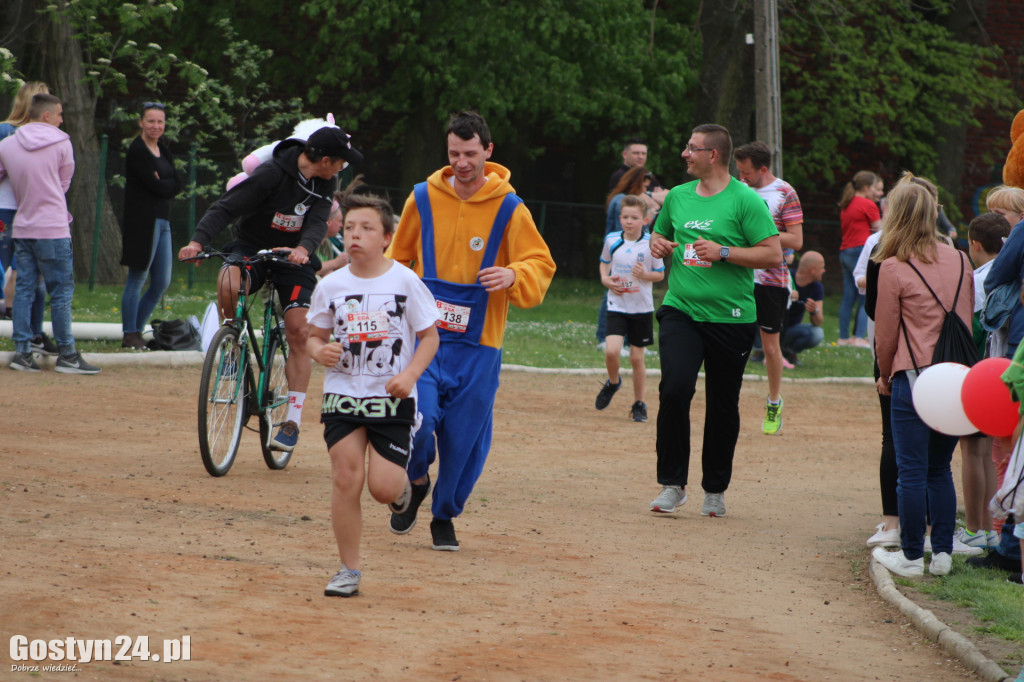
(811, 263)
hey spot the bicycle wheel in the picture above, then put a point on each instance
(222, 394)
(275, 399)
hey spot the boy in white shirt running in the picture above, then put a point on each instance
(365, 320)
(629, 271)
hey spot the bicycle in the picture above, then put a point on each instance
(229, 391)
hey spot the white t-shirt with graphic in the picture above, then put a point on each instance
(623, 255)
(376, 321)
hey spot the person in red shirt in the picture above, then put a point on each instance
(859, 218)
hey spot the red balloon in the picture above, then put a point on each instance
(986, 398)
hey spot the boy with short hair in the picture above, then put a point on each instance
(375, 310)
(629, 271)
(985, 236)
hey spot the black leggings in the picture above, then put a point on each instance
(888, 473)
(723, 349)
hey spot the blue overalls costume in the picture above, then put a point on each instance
(456, 392)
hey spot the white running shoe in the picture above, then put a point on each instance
(940, 564)
(898, 563)
(884, 538)
(958, 547)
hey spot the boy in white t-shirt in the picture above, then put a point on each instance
(629, 271)
(365, 320)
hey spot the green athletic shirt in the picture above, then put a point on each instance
(736, 216)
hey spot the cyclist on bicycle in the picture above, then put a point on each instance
(284, 204)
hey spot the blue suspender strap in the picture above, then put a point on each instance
(508, 207)
(426, 230)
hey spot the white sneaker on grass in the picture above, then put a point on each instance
(958, 547)
(896, 562)
(940, 564)
(671, 497)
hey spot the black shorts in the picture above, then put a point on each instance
(391, 440)
(294, 283)
(772, 303)
(638, 328)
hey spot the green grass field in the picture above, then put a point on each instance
(559, 333)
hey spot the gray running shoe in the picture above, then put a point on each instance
(345, 583)
(44, 345)
(24, 362)
(74, 364)
(671, 497)
(714, 504)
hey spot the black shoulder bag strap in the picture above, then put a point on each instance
(956, 298)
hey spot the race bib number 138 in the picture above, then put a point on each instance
(454, 318)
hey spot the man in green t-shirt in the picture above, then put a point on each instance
(716, 230)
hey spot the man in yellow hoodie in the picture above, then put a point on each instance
(474, 243)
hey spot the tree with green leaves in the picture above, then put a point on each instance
(890, 74)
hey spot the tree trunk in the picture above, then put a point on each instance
(424, 148)
(965, 22)
(727, 75)
(61, 64)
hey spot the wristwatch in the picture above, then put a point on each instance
(724, 252)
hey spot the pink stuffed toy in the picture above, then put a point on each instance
(302, 131)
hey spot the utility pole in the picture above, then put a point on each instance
(766, 77)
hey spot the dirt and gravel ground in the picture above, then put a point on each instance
(111, 526)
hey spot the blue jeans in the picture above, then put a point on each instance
(925, 486)
(848, 258)
(801, 337)
(602, 318)
(7, 261)
(53, 260)
(135, 311)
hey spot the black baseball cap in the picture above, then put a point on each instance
(333, 142)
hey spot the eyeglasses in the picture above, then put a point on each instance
(690, 148)
(153, 105)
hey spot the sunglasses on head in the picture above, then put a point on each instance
(152, 105)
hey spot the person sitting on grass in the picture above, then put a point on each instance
(808, 296)
(381, 318)
(629, 271)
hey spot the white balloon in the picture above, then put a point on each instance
(937, 399)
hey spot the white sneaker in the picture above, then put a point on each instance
(958, 547)
(884, 538)
(899, 564)
(979, 539)
(714, 504)
(671, 497)
(940, 564)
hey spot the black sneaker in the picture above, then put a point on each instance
(403, 523)
(74, 364)
(44, 345)
(995, 560)
(24, 362)
(1015, 578)
(638, 412)
(443, 533)
(607, 391)
(791, 358)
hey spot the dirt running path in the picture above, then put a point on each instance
(110, 526)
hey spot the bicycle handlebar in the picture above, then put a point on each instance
(261, 256)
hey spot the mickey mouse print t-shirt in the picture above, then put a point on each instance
(720, 291)
(376, 321)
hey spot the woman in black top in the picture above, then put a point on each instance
(151, 183)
